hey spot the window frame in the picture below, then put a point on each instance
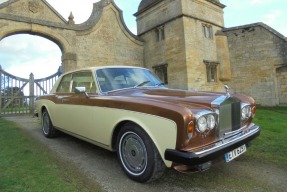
(71, 81)
(211, 71)
(160, 34)
(163, 69)
(207, 31)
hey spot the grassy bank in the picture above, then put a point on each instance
(26, 165)
(271, 145)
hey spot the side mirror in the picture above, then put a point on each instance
(80, 89)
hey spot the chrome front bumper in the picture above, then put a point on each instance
(218, 149)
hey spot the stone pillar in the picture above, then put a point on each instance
(69, 62)
(223, 56)
(31, 95)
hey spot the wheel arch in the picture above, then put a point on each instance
(148, 128)
(42, 108)
(116, 131)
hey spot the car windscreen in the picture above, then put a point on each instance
(111, 79)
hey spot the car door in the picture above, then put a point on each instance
(73, 112)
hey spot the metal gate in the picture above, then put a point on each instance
(18, 94)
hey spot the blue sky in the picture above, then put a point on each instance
(23, 54)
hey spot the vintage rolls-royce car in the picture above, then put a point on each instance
(151, 127)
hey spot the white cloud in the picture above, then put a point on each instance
(272, 16)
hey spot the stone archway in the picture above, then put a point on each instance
(281, 74)
(21, 17)
(102, 40)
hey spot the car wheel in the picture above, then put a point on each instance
(138, 155)
(47, 127)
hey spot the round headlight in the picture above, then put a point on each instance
(202, 124)
(210, 121)
(246, 112)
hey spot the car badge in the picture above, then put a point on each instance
(227, 90)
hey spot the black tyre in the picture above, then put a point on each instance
(47, 127)
(138, 155)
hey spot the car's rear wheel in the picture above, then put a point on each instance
(47, 127)
(138, 155)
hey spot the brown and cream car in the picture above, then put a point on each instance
(151, 127)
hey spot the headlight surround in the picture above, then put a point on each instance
(206, 121)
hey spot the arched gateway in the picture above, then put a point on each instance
(102, 40)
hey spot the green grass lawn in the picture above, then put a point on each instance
(26, 165)
(271, 145)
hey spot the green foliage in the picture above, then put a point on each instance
(25, 165)
(271, 145)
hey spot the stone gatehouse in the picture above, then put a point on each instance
(183, 41)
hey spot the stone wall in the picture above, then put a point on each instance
(256, 51)
(199, 48)
(108, 43)
(184, 48)
(169, 51)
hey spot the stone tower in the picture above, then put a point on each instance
(184, 43)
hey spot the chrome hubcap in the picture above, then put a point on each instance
(133, 153)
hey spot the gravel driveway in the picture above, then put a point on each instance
(242, 174)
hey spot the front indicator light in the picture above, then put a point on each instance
(190, 129)
(253, 111)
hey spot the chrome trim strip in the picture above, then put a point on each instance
(254, 129)
(228, 134)
(203, 113)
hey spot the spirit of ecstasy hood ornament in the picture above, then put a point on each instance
(227, 90)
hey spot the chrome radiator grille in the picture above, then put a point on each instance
(229, 117)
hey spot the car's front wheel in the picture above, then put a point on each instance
(138, 155)
(47, 127)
